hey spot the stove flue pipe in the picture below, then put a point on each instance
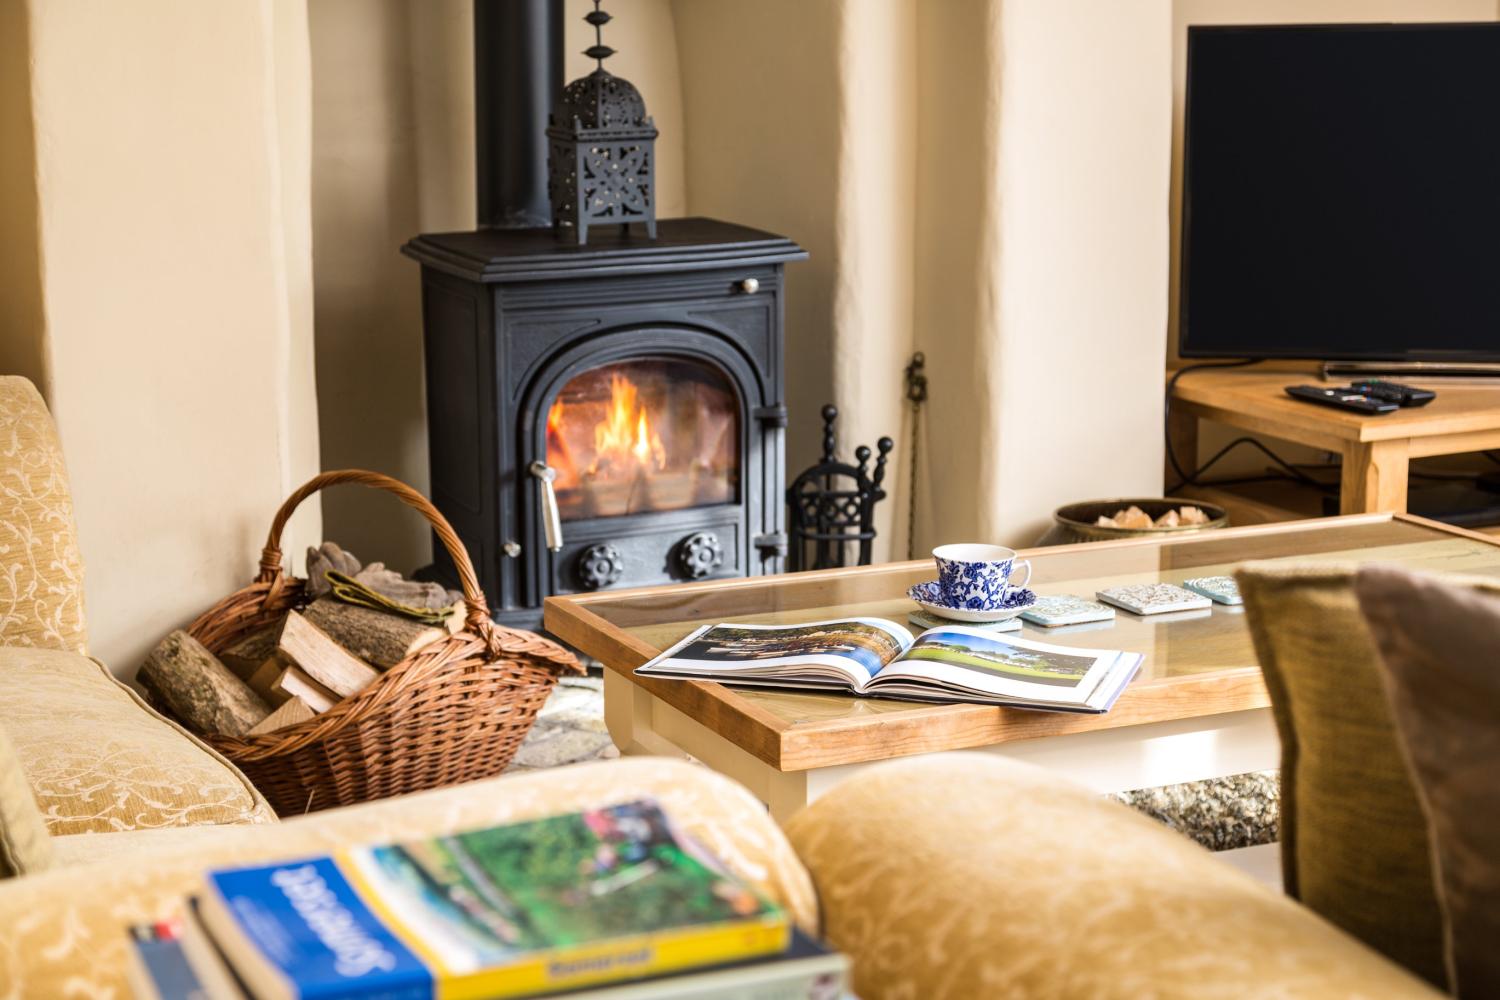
(518, 72)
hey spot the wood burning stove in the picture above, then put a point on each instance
(622, 401)
(606, 415)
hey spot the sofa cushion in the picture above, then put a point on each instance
(145, 875)
(25, 846)
(966, 876)
(1440, 644)
(1354, 844)
(41, 572)
(99, 759)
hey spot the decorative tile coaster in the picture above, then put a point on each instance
(1153, 598)
(1067, 609)
(923, 620)
(1220, 588)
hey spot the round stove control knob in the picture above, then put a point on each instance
(599, 566)
(699, 555)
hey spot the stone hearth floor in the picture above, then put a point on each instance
(569, 728)
(1221, 814)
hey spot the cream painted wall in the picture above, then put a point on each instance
(169, 143)
(368, 297)
(763, 98)
(1186, 12)
(984, 181)
(1042, 257)
(393, 156)
(957, 225)
(1085, 128)
(875, 219)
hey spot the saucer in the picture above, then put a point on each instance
(930, 596)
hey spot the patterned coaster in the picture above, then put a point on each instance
(923, 620)
(1153, 598)
(1067, 609)
(1220, 588)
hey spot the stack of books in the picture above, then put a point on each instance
(606, 904)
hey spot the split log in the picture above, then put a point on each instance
(292, 712)
(245, 655)
(377, 638)
(263, 680)
(297, 684)
(181, 674)
(304, 644)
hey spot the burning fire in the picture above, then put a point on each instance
(624, 439)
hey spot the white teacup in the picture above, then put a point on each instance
(977, 577)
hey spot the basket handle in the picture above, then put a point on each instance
(477, 615)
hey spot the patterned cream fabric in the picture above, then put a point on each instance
(25, 846)
(64, 930)
(972, 877)
(99, 759)
(41, 572)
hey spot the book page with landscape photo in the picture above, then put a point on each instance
(845, 652)
(967, 659)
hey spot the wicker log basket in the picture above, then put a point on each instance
(453, 711)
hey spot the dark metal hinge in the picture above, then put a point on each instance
(772, 544)
(775, 414)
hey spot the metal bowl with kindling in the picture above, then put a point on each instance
(1074, 522)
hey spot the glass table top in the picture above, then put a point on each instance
(1174, 645)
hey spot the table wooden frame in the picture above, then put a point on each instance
(1376, 450)
(1162, 730)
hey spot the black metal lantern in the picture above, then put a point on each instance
(601, 148)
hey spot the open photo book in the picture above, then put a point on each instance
(878, 658)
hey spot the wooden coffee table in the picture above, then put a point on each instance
(1197, 710)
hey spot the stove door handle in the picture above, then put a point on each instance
(551, 518)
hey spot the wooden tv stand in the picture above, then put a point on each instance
(1376, 450)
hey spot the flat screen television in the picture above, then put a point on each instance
(1341, 193)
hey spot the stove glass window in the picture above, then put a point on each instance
(648, 434)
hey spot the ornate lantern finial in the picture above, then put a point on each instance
(601, 149)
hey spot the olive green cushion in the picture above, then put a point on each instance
(25, 846)
(1440, 644)
(1354, 843)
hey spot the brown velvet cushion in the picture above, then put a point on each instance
(1440, 643)
(1354, 845)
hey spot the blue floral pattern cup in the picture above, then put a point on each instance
(977, 577)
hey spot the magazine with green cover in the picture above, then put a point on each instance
(877, 658)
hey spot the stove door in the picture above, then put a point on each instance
(649, 458)
(644, 435)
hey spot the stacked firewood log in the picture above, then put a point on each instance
(362, 622)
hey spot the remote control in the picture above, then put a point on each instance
(1343, 397)
(1394, 392)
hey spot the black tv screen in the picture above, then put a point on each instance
(1341, 193)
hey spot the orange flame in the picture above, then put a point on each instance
(622, 440)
